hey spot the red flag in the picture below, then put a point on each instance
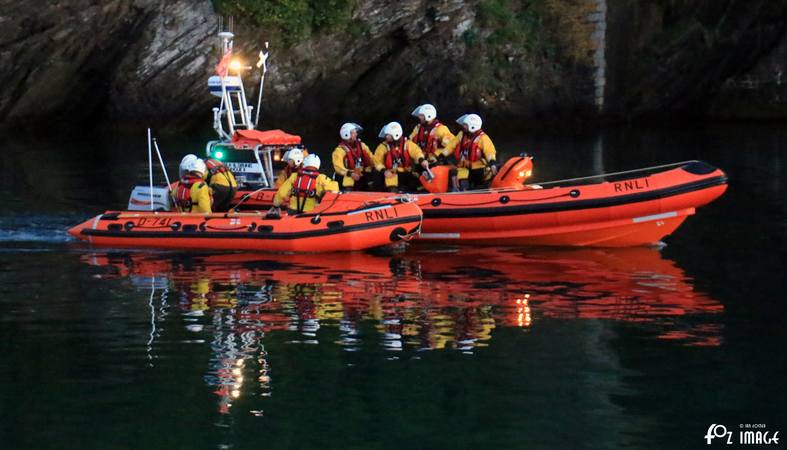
(223, 67)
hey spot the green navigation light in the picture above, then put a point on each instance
(219, 154)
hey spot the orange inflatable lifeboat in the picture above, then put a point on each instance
(627, 209)
(631, 208)
(338, 224)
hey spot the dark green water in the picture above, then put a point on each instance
(422, 347)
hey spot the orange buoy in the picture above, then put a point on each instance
(439, 183)
(514, 173)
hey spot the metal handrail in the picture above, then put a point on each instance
(625, 172)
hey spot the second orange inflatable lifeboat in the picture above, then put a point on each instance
(339, 224)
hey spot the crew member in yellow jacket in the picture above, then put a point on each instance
(396, 157)
(192, 193)
(432, 136)
(294, 161)
(305, 188)
(222, 184)
(352, 159)
(473, 155)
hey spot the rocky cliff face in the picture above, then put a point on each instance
(538, 59)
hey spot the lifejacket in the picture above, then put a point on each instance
(426, 138)
(468, 148)
(305, 186)
(397, 156)
(354, 156)
(183, 192)
(215, 167)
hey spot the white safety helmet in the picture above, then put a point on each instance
(185, 162)
(295, 155)
(286, 156)
(394, 129)
(429, 112)
(346, 130)
(197, 165)
(471, 121)
(311, 160)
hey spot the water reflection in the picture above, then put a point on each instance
(424, 299)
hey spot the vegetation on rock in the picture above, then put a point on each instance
(293, 20)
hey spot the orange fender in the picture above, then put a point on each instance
(439, 183)
(514, 173)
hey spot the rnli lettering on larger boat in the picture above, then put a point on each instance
(632, 185)
(381, 214)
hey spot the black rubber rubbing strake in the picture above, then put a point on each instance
(699, 168)
(263, 231)
(573, 205)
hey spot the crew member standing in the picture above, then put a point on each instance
(352, 159)
(396, 157)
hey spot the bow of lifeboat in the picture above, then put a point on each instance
(332, 226)
(613, 213)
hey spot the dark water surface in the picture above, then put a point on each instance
(419, 347)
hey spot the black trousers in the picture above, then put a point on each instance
(222, 197)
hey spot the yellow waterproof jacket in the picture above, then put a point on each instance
(341, 168)
(225, 178)
(442, 138)
(322, 185)
(484, 144)
(201, 197)
(416, 156)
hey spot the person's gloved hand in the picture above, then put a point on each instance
(493, 168)
(355, 176)
(388, 174)
(273, 213)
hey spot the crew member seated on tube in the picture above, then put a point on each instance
(432, 136)
(472, 155)
(192, 193)
(222, 184)
(305, 188)
(352, 159)
(396, 157)
(293, 159)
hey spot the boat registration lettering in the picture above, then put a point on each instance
(154, 222)
(632, 185)
(381, 214)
